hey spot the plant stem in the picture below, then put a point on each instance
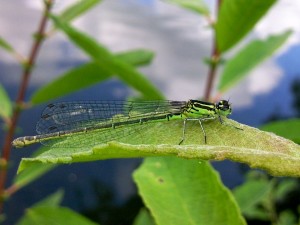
(214, 62)
(39, 37)
(215, 57)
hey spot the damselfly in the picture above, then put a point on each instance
(111, 120)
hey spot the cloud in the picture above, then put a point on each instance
(284, 15)
(179, 38)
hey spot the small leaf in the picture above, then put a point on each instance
(257, 213)
(287, 128)
(5, 104)
(108, 62)
(245, 60)
(32, 173)
(284, 187)
(85, 76)
(54, 199)
(49, 215)
(197, 6)
(250, 194)
(137, 57)
(186, 192)
(236, 18)
(259, 149)
(77, 9)
(143, 218)
(287, 217)
(4, 44)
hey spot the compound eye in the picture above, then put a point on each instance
(220, 105)
(223, 105)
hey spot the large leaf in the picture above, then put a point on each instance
(186, 192)
(259, 149)
(236, 18)
(197, 6)
(107, 61)
(251, 55)
(5, 104)
(77, 9)
(85, 75)
(287, 128)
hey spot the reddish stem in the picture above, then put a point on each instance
(20, 97)
(215, 57)
(214, 62)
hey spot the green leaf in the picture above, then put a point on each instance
(257, 213)
(245, 60)
(71, 81)
(49, 215)
(259, 149)
(5, 104)
(143, 218)
(287, 217)
(287, 128)
(109, 62)
(52, 200)
(77, 9)
(137, 57)
(284, 187)
(186, 192)
(198, 6)
(31, 173)
(250, 194)
(4, 44)
(236, 18)
(85, 76)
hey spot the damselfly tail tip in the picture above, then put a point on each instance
(18, 143)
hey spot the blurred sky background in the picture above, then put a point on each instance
(180, 40)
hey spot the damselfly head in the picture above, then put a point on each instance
(224, 107)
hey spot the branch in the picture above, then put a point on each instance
(214, 62)
(39, 37)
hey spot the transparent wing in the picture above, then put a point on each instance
(67, 116)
